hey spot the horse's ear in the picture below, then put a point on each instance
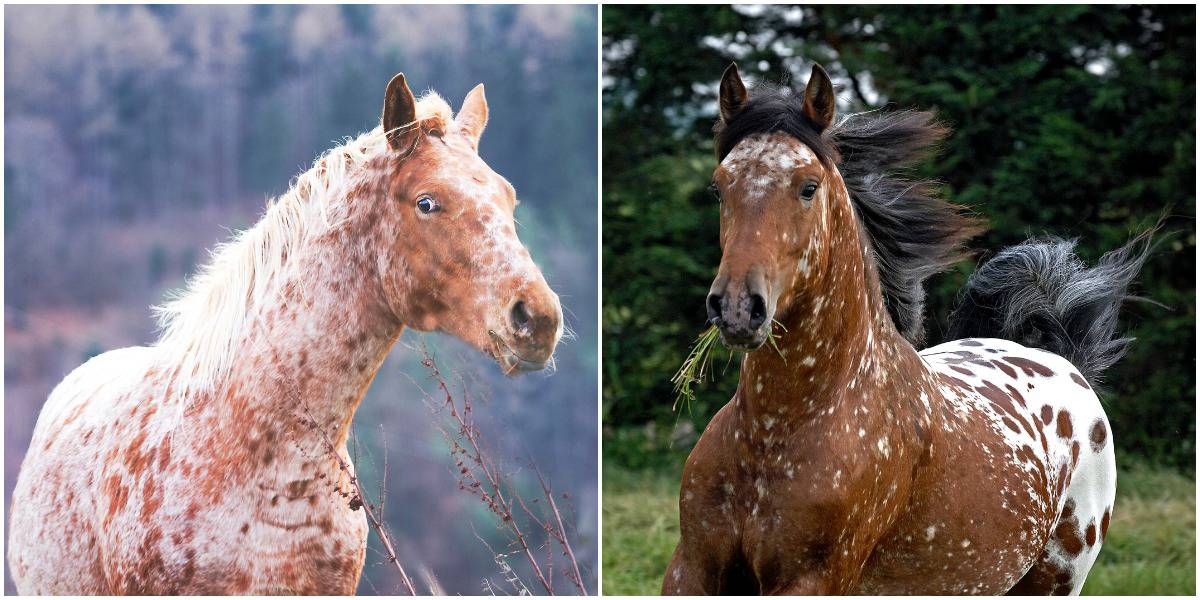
(733, 92)
(819, 101)
(399, 113)
(473, 115)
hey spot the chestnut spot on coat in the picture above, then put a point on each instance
(1003, 367)
(1028, 366)
(1081, 381)
(1098, 435)
(1067, 533)
(1064, 424)
(1047, 414)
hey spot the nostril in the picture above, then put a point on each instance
(714, 308)
(520, 315)
(758, 311)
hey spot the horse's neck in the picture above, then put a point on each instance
(837, 335)
(308, 355)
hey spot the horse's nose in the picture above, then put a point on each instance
(519, 317)
(758, 310)
(716, 302)
(738, 310)
(535, 320)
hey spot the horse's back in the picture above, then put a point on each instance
(1050, 415)
(58, 476)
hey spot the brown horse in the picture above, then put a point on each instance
(210, 463)
(847, 462)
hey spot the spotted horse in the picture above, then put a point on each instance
(209, 463)
(848, 462)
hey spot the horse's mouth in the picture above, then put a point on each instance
(742, 342)
(512, 363)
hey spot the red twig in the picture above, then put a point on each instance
(479, 476)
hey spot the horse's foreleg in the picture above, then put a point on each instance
(814, 584)
(687, 578)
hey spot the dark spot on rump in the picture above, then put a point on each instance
(1080, 380)
(1090, 535)
(962, 370)
(1104, 523)
(1064, 424)
(1030, 367)
(1068, 509)
(1047, 414)
(1098, 435)
(956, 382)
(970, 343)
(1011, 425)
(245, 528)
(1075, 453)
(1016, 395)
(1068, 535)
(1003, 367)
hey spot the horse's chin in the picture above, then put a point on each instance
(511, 363)
(744, 344)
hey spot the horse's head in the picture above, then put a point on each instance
(775, 181)
(453, 261)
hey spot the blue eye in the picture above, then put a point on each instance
(426, 205)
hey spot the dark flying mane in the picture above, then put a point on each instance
(913, 231)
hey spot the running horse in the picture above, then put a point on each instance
(847, 462)
(209, 463)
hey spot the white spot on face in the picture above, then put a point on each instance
(930, 532)
(763, 162)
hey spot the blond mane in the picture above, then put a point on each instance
(202, 323)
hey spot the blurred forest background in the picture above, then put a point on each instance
(1077, 121)
(137, 137)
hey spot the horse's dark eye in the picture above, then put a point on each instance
(810, 188)
(426, 205)
(715, 191)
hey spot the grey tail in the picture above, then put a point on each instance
(1041, 294)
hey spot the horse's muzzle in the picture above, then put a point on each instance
(740, 311)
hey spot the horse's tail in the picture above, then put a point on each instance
(1041, 294)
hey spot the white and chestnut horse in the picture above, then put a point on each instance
(200, 465)
(848, 462)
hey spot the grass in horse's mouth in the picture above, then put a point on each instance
(696, 365)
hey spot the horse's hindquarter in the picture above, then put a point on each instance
(1023, 440)
(116, 497)
(53, 526)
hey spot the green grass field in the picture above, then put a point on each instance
(1151, 546)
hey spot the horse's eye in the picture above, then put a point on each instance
(427, 205)
(810, 188)
(715, 191)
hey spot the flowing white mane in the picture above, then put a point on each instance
(202, 323)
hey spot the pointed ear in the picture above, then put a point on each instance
(819, 101)
(473, 115)
(399, 112)
(733, 92)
